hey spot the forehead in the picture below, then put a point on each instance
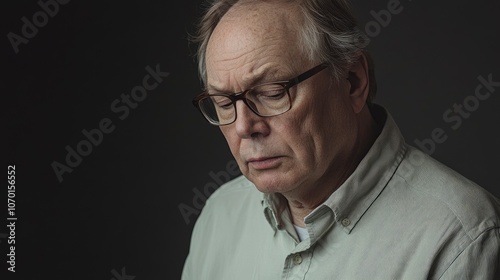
(254, 42)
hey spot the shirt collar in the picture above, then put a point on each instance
(351, 200)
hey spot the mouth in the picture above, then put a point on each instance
(263, 163)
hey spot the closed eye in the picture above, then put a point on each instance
(274, 94)
(222, 102)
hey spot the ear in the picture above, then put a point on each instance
(359, 82)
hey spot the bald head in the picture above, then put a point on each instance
(254, 42)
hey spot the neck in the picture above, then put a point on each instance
(301, 205)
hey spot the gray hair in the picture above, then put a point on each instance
(329, 34)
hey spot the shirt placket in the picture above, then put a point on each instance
(296, 265)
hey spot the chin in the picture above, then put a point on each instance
(271, 184)
(266, 188)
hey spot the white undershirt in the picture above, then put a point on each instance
(301, 232)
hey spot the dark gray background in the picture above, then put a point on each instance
(119, 207)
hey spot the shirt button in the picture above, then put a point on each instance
(346, 222)
(297, 259)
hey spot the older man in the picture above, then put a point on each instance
(329, 190)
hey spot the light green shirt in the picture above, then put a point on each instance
(400, 215)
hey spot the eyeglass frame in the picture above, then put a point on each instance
(287, 84)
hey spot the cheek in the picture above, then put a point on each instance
(321, 125)
(299, 134)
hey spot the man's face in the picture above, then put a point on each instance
(297, 151)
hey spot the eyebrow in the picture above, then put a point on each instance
(268, 75)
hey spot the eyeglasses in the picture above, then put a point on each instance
(265, 100)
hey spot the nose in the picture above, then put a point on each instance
(248, 124)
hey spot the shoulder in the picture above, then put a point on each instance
(232, 200)
(222, 223)
(440, 186)
(234, 191)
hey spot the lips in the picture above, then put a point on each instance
(263, 163)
